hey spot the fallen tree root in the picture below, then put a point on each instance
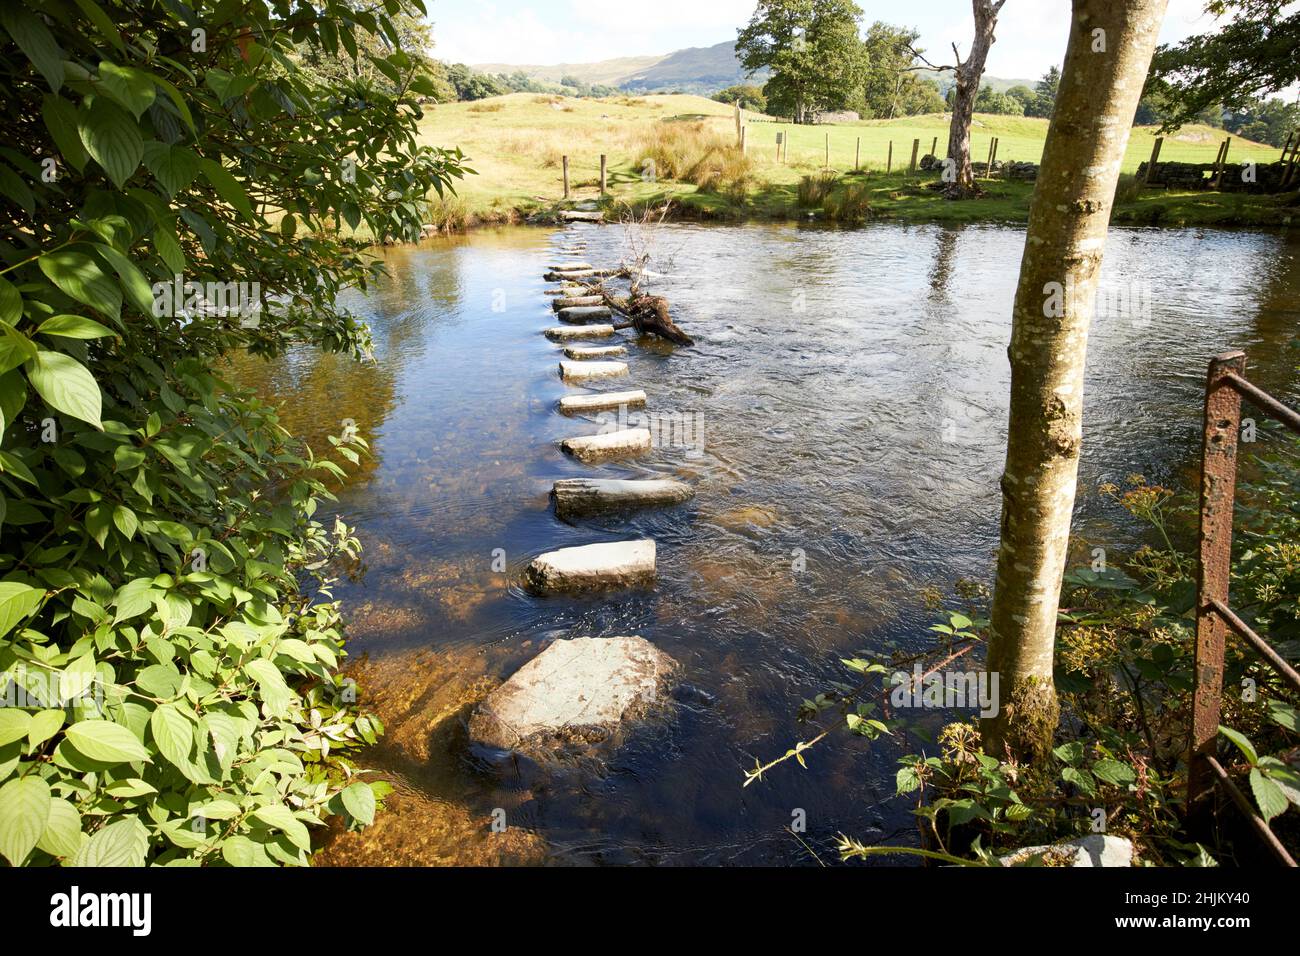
(648, 314)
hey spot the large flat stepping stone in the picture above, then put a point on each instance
(577, 301)
(574, 215)
(579, 352)
(579, 691)
(568, 292)
(564, 333)
(594, 567)
(586, 371)
(585, 496)
(624, 443)
(572, 267)
(554, 276)
(600, 401)
(584, 313)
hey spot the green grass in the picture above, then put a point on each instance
(515, 144)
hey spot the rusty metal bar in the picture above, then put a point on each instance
(1218, 487)
(1287, 416)
(1259, 824)
(1265, 650)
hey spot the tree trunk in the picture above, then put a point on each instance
(1068, 219)
(969, 72)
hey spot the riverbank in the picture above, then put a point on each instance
(517, 145)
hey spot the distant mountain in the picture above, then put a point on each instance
(702, 70)
(696, 70)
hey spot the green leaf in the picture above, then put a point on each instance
(102, 23)
(11, 303)
(1080, 778)
(275, 693)
(128, 86)
(107, 742)
(1270, 797)
(45, 724)
(133, 281)
(174, 735)
(24, 810)
(15, 348)
(77, 677)
(282, 818)
(80, 276)
(60, 118)
(66, 385)
(1243, 743)
(227, 187)
(123, 843)
(62, 836)
(14, 723)
(33, 37)
(240, 851)
(17, 601)
(73, 327)
(1070, 753)
(112, 139)
(1114, 772)
(174, 166)
(126, 521)
(359, 800)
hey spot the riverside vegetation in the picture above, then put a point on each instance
(656, 144)
(168, 645)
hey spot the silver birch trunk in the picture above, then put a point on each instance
(1110, 48)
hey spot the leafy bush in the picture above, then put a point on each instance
(168, 646)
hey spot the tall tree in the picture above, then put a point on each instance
(960, 176)
(812, 47)
(1110, 48)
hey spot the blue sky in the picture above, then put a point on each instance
(1030, 38)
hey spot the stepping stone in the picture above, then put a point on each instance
(594, 567)
(577, 352)
(578, 691)
(574, 267)
(600, 401)
(593, 449)
(583, 371)
(571, 215)
(584, 313)
(577, 301)
(566, 333)
(569, 292)
(585, 496)
(566, 276)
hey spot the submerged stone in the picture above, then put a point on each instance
(582, 371)
(625, 443)
(563, 333)
(578, 691)
(615, 564)
(583, 496)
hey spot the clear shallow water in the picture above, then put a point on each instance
(852, 388)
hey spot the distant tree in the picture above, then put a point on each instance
(750, 97)
(1023, 94)
(1045, 90)
(570, 81)
(1264, 120)
(990, 101)
(889, 89)
(1250, 55)
(812, 47)
(472, 85)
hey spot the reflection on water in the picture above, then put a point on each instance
(852, 387)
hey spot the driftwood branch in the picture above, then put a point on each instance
(646, 313)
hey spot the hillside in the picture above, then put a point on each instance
(605, 72)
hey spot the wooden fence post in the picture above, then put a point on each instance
(889, 162)
(828, 150)
(602, 174)
(997, 141)
(934, 146)
(857, 155)
(1222, 425)
(1223, 162)
(1155, 158)
(916, 148)
(565, 161)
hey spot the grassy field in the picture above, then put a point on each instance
(515, 144)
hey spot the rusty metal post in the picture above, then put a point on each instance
(565, 161)
(1218, 488)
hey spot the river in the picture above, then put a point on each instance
(848, 391)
